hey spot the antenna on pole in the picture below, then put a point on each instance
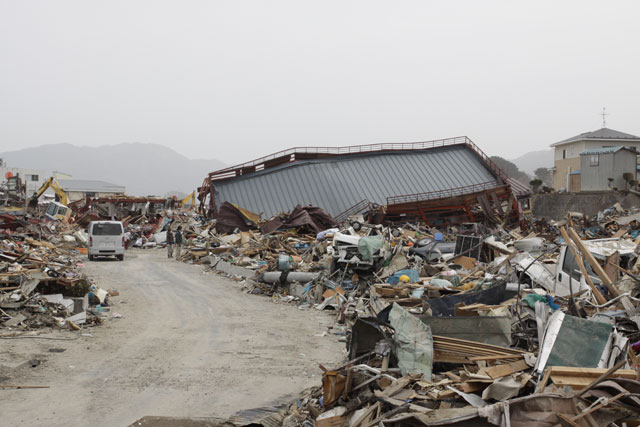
(604, 117)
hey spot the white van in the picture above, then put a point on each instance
(106, 238)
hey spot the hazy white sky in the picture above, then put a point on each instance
(235, 80)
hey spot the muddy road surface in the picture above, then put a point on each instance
(188, 344)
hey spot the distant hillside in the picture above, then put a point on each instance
(145, 169)
(512, 170)
(533, 160)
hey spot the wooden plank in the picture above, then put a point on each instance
(595, 265)
(471, 387)
(566, 421)
(396, 386)
(545, 379)
(465, 261)
(609, 268)
(452, 376)
(619, 233)
(449, 357)
(496, 357)
(475, 344)
(602, 377)
(568, 371)
(365, 415)
(499, 371)
(576, 383)
(596, 293)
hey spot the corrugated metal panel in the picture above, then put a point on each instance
(338, 183)
(90, 185)
(519, 189)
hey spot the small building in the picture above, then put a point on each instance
(603, 169)
(32, 179)
(78, 189)
(61, 175)
(567, 153)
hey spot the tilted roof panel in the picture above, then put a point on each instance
(335, 184)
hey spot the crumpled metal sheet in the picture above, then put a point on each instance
(506, 387)
(607, 247)
(414, 342)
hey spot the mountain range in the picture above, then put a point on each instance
(533, 160)
(144, 169)
(153, 169)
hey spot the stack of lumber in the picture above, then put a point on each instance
(453, 350)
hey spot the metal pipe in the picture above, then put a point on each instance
(293, 276)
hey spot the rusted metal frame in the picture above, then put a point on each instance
(127, 200)
(207, 189)
(458, 200)
(213, 208)
(422, 215)
(515, 211)
(296, 153)
(431, 218)
(472, 217)
(452, 207)
(442, 194)
(357, 208)
(202, 195)
(496, 169)
(487, 160)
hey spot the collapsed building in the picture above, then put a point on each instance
(441, 182)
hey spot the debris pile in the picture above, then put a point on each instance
(41, 282)
(477, 324)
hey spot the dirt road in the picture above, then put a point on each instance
(189, 344)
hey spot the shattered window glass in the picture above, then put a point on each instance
(570, 266)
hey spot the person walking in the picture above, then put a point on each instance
(170, 243)
(178, 239)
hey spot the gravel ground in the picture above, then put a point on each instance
(190, 344)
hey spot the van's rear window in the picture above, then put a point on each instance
(107, 229)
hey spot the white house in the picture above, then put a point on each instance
(567, 152)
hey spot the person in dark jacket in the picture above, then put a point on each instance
(170, 243)
(178, 242)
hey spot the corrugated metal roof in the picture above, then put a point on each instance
(90, 186)
(337, 183)
(604, 133)
(604, 150)
(519, 189)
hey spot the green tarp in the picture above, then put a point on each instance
(367, 246)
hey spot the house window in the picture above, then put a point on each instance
(34, 177)
(594, 160)
(564, 154)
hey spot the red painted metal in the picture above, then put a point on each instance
(442, 194)
(355, 209)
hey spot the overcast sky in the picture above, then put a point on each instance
(235, 80)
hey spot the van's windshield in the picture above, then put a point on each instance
(106, 229)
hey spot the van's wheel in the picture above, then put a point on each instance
(90, 257)
(120, 257)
